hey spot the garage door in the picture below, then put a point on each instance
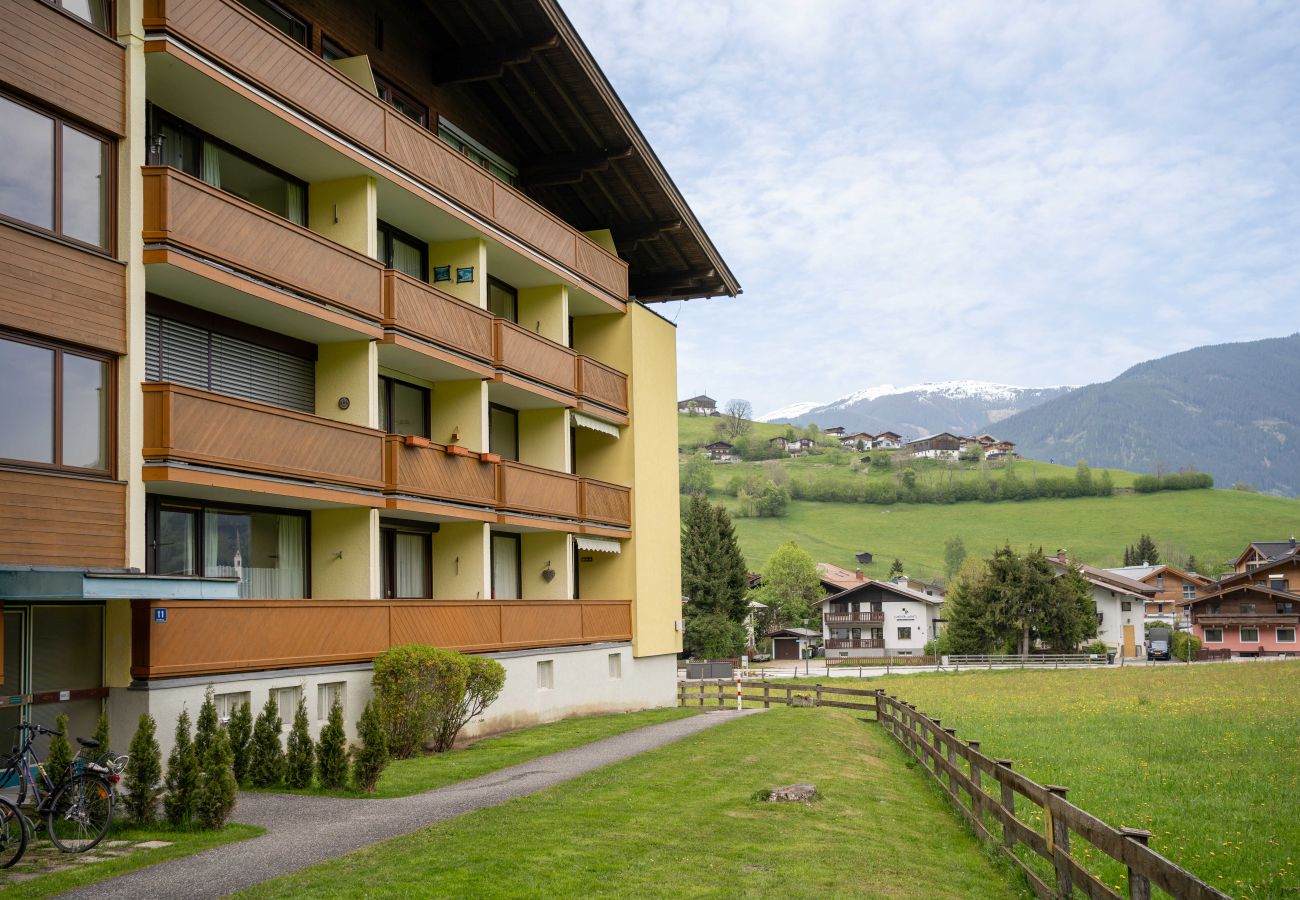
(786, 648)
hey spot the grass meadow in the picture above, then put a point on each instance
(1203, 756)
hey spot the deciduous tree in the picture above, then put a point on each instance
(790, 587)
(954, 553)
(736, 418)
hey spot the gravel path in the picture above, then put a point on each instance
(302, 830)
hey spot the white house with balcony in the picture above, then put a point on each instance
(879, 618)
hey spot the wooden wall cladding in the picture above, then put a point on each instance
(434, 473)
(56, 520)
(53, 55)
(602, 384)
(521, 351)
(215, 636)
(424, 311)
(50, 288)
(604, 502)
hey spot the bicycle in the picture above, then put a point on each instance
(79, 809)
(13, 834)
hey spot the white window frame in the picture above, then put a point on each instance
(1241, 634)
(901, 629)
(1277, 634)
(615, 666)
(295, 691)
(227, 703)
(1210, 640)
(1189, 592)
(326, 691)
(546, 675)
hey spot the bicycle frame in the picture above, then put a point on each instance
(22, 762)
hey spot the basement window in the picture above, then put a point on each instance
(616, 666)
(546, 675)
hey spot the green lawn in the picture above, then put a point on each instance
(427, 772)
(1211, 524)
(681, 821)
(74, 874)
(696, 431)
(1203, 756)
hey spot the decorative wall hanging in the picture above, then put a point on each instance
(442, 273)
(465, 275)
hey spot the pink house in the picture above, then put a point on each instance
(1248, 619)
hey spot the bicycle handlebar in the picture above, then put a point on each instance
(39, 729)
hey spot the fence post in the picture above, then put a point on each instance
(976, 795)
(1139, 888)
(819, 694)
(767, 695)
(952, 761)
(1009, 804)
(789, 696)
(701, 693)
(1058, 833)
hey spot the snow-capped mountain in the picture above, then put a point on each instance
(916, 410)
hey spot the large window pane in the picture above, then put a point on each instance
(503, 300)
(85, 187)
(503, 432)
(93, 11)
(265, 551)
(408, 410)
(411, 564)
(408, 258)
(26, 164)
(26, 402)
(505, 567)
(280, 18)
(176, 542)
(85, 412)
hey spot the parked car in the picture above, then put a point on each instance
(1158, 643)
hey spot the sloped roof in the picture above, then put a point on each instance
(902, 591)
(1270, 550)
(1106, 578)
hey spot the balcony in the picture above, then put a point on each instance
(855, 644)
(181, 211)
(219, 636)
(186, 425)
(432, 473)
(601, 384)
(1266, 616)
(252, 50)
(427, 313)
(534, 357)
(854, 618)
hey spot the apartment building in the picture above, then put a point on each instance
(327, 327)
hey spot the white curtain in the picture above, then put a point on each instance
(505, 568)
(411, 565)
(293, 202)
(290, 571)
(406, 259)
(211, 164)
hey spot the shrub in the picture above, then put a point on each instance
(101, 732)
(482, 686)
(216, 797)
(207, 726)
(59, 760)
(370, 758)
(1099, 648)
(410, 682)
(332, 753)
(714, 636)
(265, 756)
(300, 761)
(241, 737)
(1183, 645)
(182, 776)
(144, 772)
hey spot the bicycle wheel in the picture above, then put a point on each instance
(79, 813)
(13, 834)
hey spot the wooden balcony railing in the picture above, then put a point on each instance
(852, 644)
(248, 45)
(180, 209)
(601, 384)
(529, 489)
(183, 424)
(207, 637)
(426, 312)
(433, 473)
(604, 502)
(521, 351)
(853, 618)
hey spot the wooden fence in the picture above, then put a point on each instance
(985, 791)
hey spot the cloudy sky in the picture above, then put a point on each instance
(1031, 193)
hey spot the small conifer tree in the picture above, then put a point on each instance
(205, 728)
(241, 736)
(101, 732)
(369, 760)
(266, 755)
(144, 772)
(59, 759)
(182, 776)
(300, 761)
(216, 799)
(332, 753)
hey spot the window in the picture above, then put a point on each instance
(406, 561)
(403, 407)
(205, 352)
(503, 300)
(1214, 635)
(503, 431)
(182, 146)
(1249, 635)
(54, 175)
(96, 12)
(1285, 635)
(398, 250)
(228, 703)
(1125, 606)
(546, 675)
(1213, 608)
(56, 405)
(1189, 592)
(1247, 609)
(327, 695)
(281, 18)
(265, 549)
(1285, 607)
(286, 701)
(505, 566)
(332, 52)
(402, 102)
(905, 633)
(1160, 582)
(616, 666)
(476, 152)
(1278, 583)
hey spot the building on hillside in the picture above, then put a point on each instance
(1121, 606)
(935, 446)
(879, 618)
(1280, 573)
(836, 578)
(1259, 553)
(835, 431)
(887, 440)
(1173, 587)
(698, 406)
(1247, 619)
(864, 557)
(721, 451)
(858, 440)
(340, 336)
(793, 446)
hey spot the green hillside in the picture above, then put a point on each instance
(696, 431)
(1213, 525)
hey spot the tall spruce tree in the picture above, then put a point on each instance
(713, 568)
(332, 752)
(207, 725)
(300, 759)
(182, 776)
(215, 800)
(1146, 553)
(266, 754)
(241, 736)
(102, 733)
(144, 773)
(1070, 616)
(59, 758)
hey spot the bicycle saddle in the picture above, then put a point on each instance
(88, 743)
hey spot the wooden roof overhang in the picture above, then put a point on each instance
(581, 155)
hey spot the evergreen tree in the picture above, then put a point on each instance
(369, 759)
(713, 569)
(1069, 616)
(896, 568)
(791, 586)
(332, 753)
(207, 725)
(216, 797)
(969, 627)
(102, 732)
(266, 756)
(1146, 553)
(300, 761)
(59, 758)
(241, 736)
(144, 772)
(182, 776)
(1128, 555)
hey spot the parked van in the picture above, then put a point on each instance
(1158, 643)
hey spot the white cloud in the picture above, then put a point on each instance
(1036, 194)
